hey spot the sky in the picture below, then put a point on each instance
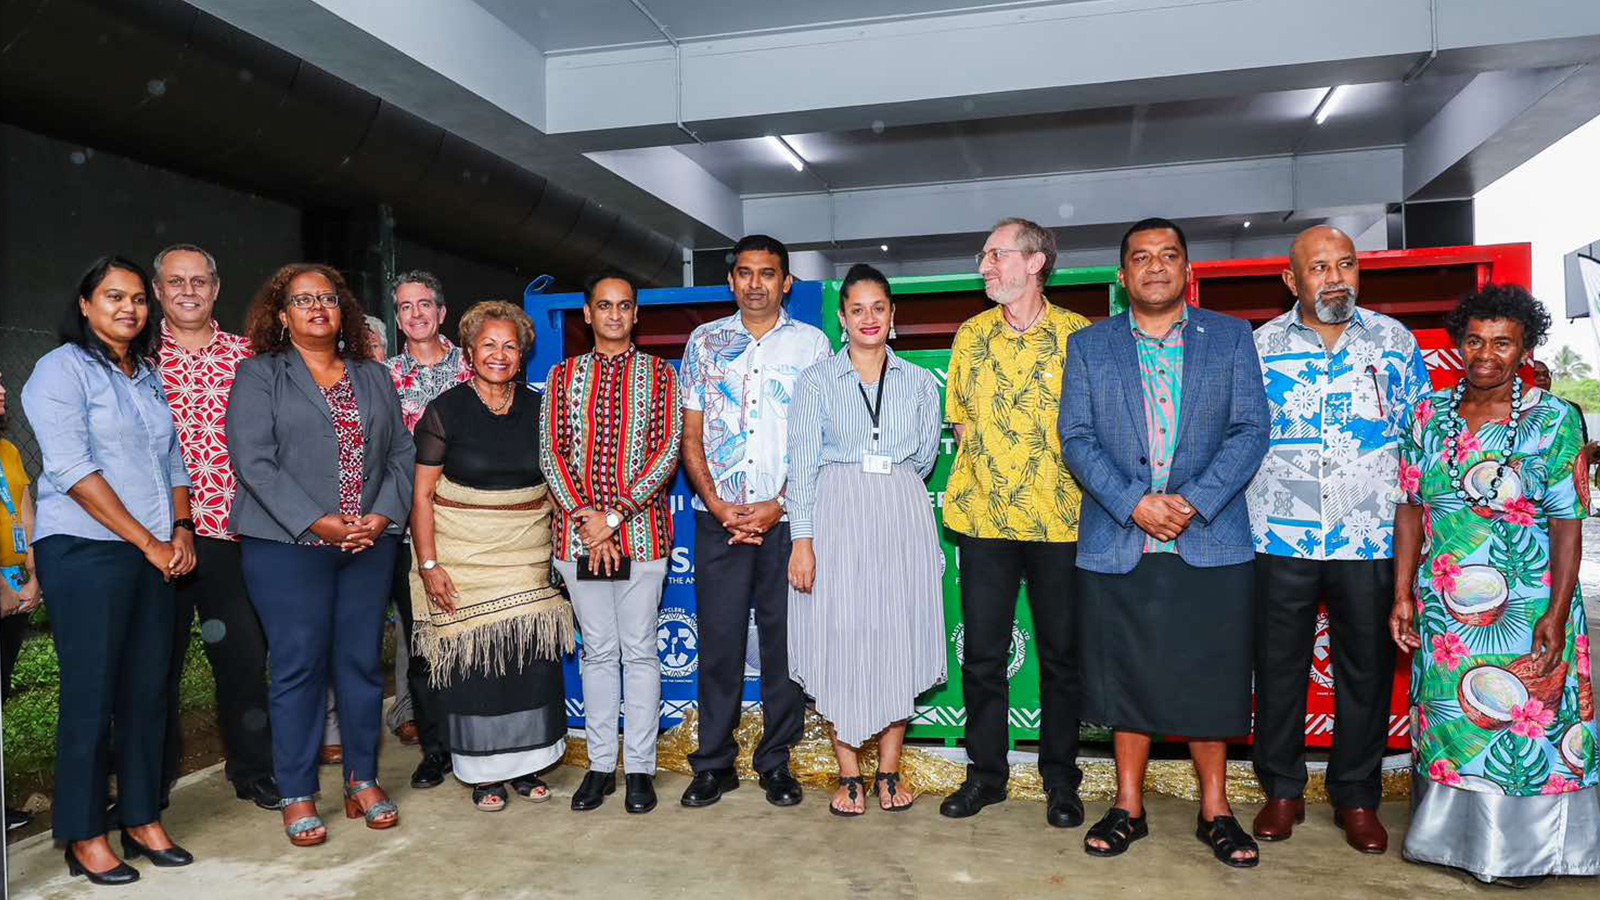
(1553, 202)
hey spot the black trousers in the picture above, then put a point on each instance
(991, 574)
(236, 647)
(1359, 595)
(729, 580)
(13, 630)
(425, 709)
(111, 618)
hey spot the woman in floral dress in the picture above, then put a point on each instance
(1503, 724)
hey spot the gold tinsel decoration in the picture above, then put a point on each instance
(814, 764)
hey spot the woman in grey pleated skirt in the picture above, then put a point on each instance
(866, 607)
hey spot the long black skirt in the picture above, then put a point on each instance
(1166, 649)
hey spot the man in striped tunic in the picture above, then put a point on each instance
(609, 448)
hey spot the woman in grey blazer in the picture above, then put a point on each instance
(325, 467)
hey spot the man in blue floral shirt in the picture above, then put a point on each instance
(1340, 385)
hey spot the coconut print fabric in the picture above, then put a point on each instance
(1161, 378)
(1008, 479)
(1482, 719)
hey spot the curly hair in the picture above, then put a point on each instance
(473, 320)
(268, 335)
(1500, 301)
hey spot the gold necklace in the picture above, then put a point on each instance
(497, 410)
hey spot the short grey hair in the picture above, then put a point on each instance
(419, 276)
(1033, 238)
(376, 326)
(211, 261)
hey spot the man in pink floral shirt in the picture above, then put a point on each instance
(427, 367)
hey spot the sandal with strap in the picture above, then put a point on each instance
(531, 788)
(380, 815)
(892, 781)
(483, 793)
(1226, 837)
(856, 786)
(299, 828)
(1117, 829)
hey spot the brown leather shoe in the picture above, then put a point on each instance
(331, 755)
(1362, 830)
(1277, 819)
(407, 733)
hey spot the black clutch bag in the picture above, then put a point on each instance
(620, 573)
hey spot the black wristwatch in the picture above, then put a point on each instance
(184, 523)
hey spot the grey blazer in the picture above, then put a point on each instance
(281, 438)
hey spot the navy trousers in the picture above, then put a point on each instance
(111, 617)
(322, 610)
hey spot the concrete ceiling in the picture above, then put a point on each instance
(923, 122)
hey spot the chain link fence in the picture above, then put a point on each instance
(20, 348)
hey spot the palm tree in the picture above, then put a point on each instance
(1568, 365)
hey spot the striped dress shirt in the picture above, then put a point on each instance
(611, 433)
(829, 424)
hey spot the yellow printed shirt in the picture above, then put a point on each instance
(1009, 480)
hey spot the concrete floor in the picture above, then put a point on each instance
(740, 848)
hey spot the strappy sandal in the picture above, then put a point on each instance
(1226, 837)
(1117, 829)
(303, 826)
(483, 793)
(380, 815)
(856, 786)
(892, 781)
(531, 788)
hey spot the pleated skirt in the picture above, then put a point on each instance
(869, 638)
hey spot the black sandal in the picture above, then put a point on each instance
(527, 787)
(1226, 837)
(481, 793)
(892, 779)
(1117, 828)
(855, 784)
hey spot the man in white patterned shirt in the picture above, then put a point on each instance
(1340, 383)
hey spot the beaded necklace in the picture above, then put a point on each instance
(1458, 424)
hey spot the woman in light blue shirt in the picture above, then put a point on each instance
(866, 609)
(111, 533)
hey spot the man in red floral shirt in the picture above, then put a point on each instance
(197, 364)
(427, 367)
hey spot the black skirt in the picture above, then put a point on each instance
(1166, 649)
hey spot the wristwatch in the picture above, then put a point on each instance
(428, 565)
(184, 523)
(613, 521)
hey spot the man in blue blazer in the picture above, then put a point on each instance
(1163, 437)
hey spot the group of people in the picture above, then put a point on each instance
(1178, 493)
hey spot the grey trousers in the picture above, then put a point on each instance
(618, 622)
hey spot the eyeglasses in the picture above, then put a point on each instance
(995, 253)
(198, 284)
(306, 301)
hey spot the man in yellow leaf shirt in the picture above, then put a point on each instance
(1014, 508)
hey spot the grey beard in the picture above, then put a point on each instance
(1336, 312)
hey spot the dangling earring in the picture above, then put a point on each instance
(892, 335)
(285, 335)
(341, 345)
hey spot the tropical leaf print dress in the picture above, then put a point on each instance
(1483, 719)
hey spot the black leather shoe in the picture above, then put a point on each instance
(430, 772)
(969, 799)
(641, 796)
(781, 788)
(170, 858)
(121, 873)
(1063, 808)
(17, 818)
(262, 791)
(708, 787)
(596, 787)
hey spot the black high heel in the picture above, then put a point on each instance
(121, 873)
(170, 858)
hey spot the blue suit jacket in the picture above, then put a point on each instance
(1222, 438)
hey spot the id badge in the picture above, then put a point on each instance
(19, 539)
(876, 463)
